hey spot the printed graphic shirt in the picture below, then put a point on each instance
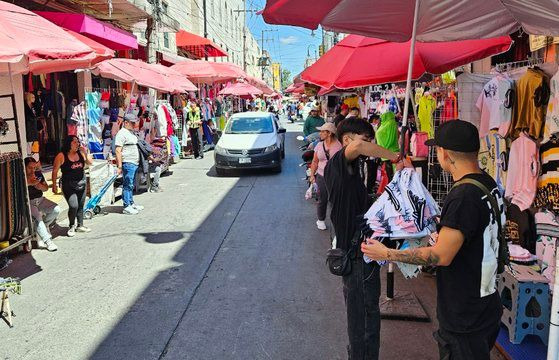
(495, 105)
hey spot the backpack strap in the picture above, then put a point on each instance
(503, 255)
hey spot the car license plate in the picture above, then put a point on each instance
(244, 160)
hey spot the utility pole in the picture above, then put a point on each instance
(245, 11)
(262, 49)
(205, 26)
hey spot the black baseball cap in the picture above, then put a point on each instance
(456, 135)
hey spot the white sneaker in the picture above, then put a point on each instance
(137, 207)
(51, 246)
(129, 210)
(71, 231)
(321, 225)
(83, 229)
(41, 244)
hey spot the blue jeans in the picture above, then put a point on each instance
(128, 174)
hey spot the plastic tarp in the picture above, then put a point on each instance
(348, 64)
(29, 42)
(439, 20)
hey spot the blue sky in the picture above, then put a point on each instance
(289, 45)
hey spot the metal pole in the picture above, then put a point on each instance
(245, 36)
(262, 56)
(205, 26)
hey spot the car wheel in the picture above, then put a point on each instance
(277, 169)
(221, 172)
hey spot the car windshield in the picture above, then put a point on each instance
(257, 125)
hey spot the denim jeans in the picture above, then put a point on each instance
(128, 174)
(361, 294)
(44, 213)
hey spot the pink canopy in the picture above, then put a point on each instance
(438, 20)
(347, 65)
(295, 89)
(29, 42)
(144, 74)
(101, 50)
(260, 84)
(243, 90)
(103, 33)
(208, 72)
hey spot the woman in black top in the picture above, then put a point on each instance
(72, 161)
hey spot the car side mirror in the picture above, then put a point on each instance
(282, 131)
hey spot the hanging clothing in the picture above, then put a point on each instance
(495, 102)
(551, 126)
(79, 117)
(547, 195)
(450, 108)
(493, 158)
(523, 170)
(546, 250)
(520, 227)
(469, 87)
(352, 102)
(387, 133)
(532, 96)
(161, 123)
(427, 105)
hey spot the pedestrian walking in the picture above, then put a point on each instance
(323, 151)
(467, 249)
(128, 160)
(44, 211)
(349, 199)
(342, 114)
(72, 161)
(194, 122)
(313, 122)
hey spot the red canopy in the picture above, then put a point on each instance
(243, 90)
(149, 75)
(197, 45)
(351, 63)
(295, 89)
(208, 72)
(260, 84)
(438, 20)
(28, 42)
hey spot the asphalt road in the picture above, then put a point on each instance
(213, 268)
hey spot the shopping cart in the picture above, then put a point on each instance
(92, 207)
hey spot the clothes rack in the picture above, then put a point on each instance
(504, 67)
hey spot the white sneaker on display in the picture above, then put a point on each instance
(72, 231)
(51, 246)
(137, 207)
(129, 210)
(321, 225)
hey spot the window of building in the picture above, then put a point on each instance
(166, 40)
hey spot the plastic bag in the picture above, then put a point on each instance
(309, 193)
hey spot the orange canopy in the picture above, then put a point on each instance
(197, 45)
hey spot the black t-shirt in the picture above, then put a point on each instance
(35, 193)
(467, 297)
(338, 119)
(347, 194)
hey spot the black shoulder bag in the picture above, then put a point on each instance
(339, 260)
(326, 152)
(503, 257)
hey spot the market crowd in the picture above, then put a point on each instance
(350, 151)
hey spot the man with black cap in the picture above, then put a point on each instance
(466, 252)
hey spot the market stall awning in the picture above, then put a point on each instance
(143, 74)
(101, 50)
(240, 89)
(438, 20)
(197, 45)
(260, 84)
(104, 33)
(28, 42)
(208, 72)
(347, 64)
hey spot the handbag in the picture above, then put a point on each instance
(339, 260)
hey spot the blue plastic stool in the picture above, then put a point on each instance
(526, 307)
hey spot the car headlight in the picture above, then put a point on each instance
(219, 150)
(271, 148)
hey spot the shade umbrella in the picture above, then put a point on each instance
(141, 73)
(208, 72)
(240, 89)
(347, 64)
(260, 84)
(29, 42)
(181, 82)
(101, 50)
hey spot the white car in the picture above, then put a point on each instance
(250, 140)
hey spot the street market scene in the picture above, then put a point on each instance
(279, 179)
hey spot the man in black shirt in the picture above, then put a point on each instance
(349, 199)
(468, 306)
(344, 110)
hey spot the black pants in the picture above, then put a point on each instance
(322, 204)
(361, 293)
(76, 201)
(196, 145)
(478, 345)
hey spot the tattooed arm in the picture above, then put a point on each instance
(448, 244)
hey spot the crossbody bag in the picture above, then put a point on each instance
(339, 260)
(503, 257)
